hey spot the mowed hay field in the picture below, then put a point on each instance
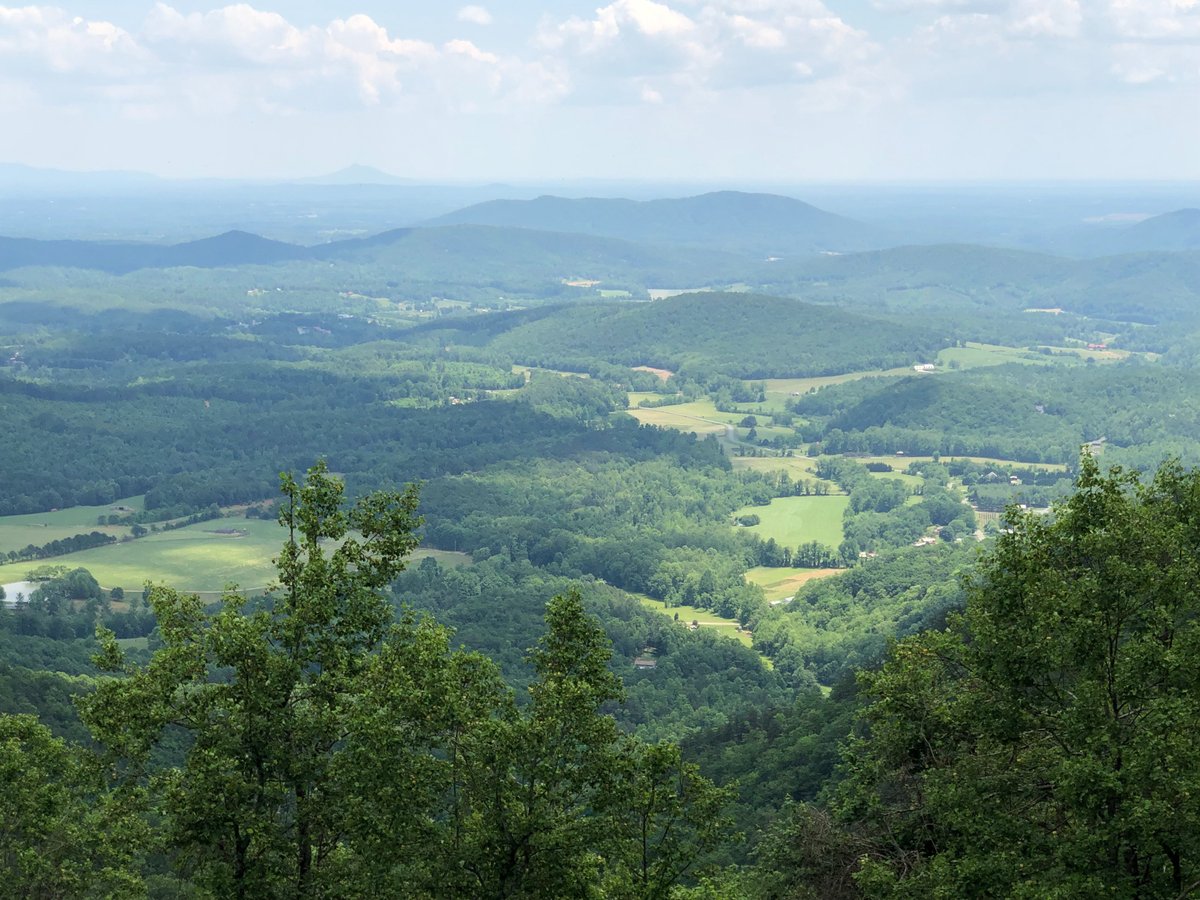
(779, 584)
(702, 617)
(18, 532)
(204, 558)
(780, 390)
(797, 520)
(700, 416)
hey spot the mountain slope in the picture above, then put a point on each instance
(760, 223)
(234, 248)
(1173, 231)
(744, 335)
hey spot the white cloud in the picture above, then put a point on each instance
(474, 15)
(240, 57)
(712, 45)
(1155, 20)
(650, 95)
(50, 40)
(1046, 18)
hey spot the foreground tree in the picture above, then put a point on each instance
(326, 754)
(61, 833)
(266, 697)
(1048, 743)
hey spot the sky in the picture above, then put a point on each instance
(695, 90)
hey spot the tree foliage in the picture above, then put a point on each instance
(1047, 745)
(327, 752)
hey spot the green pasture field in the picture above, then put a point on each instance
(702, 617)
(766, 432)
(613, 293)
(636, 397)
(198, 558)
(902, 462)
(909, 481)
(779, 583)
(18, 537)
(1111, 355)
(76, 517)
(799, 468)
(975, 355)
(527, 371)
(797, 520)
(18, 532)
(780, 390)
(700, 416)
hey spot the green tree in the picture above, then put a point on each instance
(60, 834)
(266, 695)
(1048, 743)
(329, 755)
(664, 818)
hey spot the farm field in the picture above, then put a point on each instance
(203, 558)
(702, 617)
(902, 462)
(797, 520)
(779, 390)
(18, 532)
(75, 517)
(700, 416)
(974, 355)
(795, 466)
(910, 481)
(780, 583)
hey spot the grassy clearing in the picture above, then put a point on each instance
(664, 293)
(18, 532)
(797, 520)
(76, 517)
(785, 388)
(909, 481)
(797, 467)
(975, 355)
(663, 374)
(1103, 355)
(700, 416)
(528, 371)
(702, 617)
(636, 397)
(781, 583)
(902, 462)
(18, 537)
(203, 558)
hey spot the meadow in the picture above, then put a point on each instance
(702, 617)
(699, 416)
(205, 558)
(780, 390)
(792, 521)
(782, 583)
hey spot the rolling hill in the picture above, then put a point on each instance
(1170, 232)
(743, 335)
(766, 224)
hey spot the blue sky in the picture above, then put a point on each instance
(698, 90)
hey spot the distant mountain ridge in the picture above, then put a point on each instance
(355, 174)
(233, 248)
(769, 224)
(474, 249)
(1170, 232)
